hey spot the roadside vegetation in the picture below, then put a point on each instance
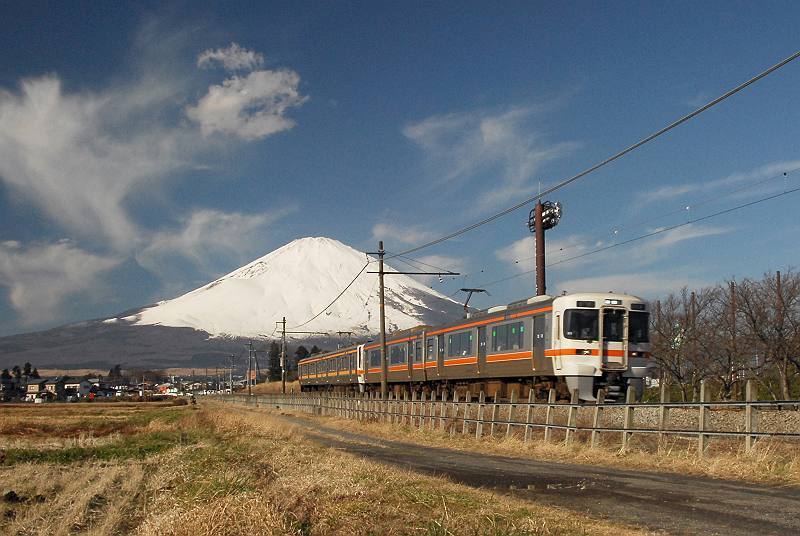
(228, 470)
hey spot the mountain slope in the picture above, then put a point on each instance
(297, 281)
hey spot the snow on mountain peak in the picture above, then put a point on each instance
(297, 281)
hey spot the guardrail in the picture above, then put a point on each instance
(749, 420)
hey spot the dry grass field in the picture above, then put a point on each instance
(157, 469)
(771, 462)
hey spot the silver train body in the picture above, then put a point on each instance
(586, 341)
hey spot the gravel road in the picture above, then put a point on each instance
(671, 503)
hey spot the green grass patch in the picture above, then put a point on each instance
(137, 446)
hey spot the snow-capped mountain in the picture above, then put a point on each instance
(298, 281)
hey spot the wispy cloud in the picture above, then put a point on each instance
(734, 180)
(395, 233)
(201, 239)
(462, 145)
(643, 284)
(40, 278)
(234, 57)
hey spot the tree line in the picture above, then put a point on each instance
(25, 372)
(729, 333)
(274, 359)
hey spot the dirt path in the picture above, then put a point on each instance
(673, 503)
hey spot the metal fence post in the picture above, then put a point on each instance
(529, 414)
(702, 439)
(511, 411)
(627, 423)
(598, 408)
(467, 408)
(551, 399)
(479, 423)
(572, 416)
(750, 422)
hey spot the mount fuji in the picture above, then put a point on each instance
(297, 281)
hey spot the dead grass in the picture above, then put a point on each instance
(772, 462)
(272, 481)
(246, 473)
(275, 388)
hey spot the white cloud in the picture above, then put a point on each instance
(740, 180)
(250, 107)
(202, 238)
(392, 233)
(465, 144)
(67, 155)
(232, 58)
(40, 278)
(643, 284)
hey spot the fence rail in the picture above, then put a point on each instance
(750, 420)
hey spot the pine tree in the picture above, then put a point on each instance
(274, 362)
(5, 375)
(315, 350)
(35, 374)
(26, 369)
(17, 372)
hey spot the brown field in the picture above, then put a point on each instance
(159, 469)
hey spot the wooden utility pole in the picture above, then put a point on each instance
(382, 306)
(381, 273)
(283, 355)
(541, 287)
(249, 368)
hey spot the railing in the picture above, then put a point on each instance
(749, 420)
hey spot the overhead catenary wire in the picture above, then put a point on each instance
(350, 284)
(648, 235)
(606, 161)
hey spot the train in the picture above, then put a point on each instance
(584, 341)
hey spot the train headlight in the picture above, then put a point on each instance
(608, 301)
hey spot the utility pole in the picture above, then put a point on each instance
(283, 356)
(543, 217)
(381, 273)
(230, 384)
(283, 348)
(249, 368)
(382, 310)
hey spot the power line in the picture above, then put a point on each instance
(648, 235)
(608, 160)
(350, 284)
(700, 203)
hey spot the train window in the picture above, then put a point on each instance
(459, 344)
(417, 351)
(374, 358)
(581, 324)
(508, 337)
(397, 354)
(613, 324)
(431, 352)
(411, 355)
(638, 325)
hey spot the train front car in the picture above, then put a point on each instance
(601, 341)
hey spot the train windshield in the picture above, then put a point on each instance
(638, 327)
(581, 324)
(613, 324)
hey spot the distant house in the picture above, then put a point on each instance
(34, 388)
(55, 386)
(77, 387)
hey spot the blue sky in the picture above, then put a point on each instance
(147, 149)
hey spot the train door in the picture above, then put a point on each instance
(430, 359)
(557, 343)
(481, 348)
(361, 365)
(539, 330)
(613, 333)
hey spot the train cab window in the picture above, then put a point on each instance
(613, 324)
(374, 358)
(581, 324)
(397, 354)
(508, 337)
(638, 327)
(459, 344)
